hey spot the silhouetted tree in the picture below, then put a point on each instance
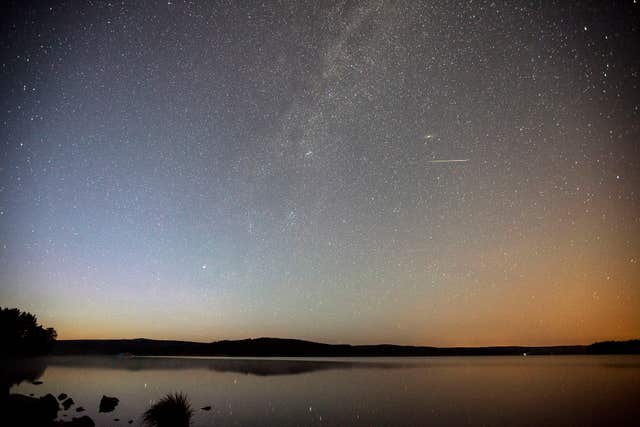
(21, 335)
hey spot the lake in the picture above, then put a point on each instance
(444, 391)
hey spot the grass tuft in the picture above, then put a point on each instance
(172, 410)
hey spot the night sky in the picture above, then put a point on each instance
(438, 173)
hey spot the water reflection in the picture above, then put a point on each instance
(260, 367)
(452, 391)
(15, 371)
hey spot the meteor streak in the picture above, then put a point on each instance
(449, 161)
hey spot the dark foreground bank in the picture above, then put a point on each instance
(404, 392)
(173, 410)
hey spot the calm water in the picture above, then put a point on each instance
(452, 391)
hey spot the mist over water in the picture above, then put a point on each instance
(452, 391)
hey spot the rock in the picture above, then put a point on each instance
(30, 411)
(84, 421)
(108, 404)
(62, 396)
(67, 403)
(206, 408)
(130, 421)
(79, 409)
(49, 405)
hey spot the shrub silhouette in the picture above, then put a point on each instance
(21, 335)
(173, 410)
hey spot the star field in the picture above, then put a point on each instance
(457, 173)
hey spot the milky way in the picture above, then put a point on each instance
(414, 172)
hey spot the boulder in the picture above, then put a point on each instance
(108, 404)
(67, 403)
(84, 421)
(49, 405)
(27, 411)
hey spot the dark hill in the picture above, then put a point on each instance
(278, 347)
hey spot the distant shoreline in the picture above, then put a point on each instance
(278, 347)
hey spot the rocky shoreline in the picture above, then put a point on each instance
(172, 410)
(43, 411)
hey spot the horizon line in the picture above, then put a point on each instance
(353, 345)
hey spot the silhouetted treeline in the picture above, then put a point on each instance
(21, 335)
(615, 347)
(272, 347)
